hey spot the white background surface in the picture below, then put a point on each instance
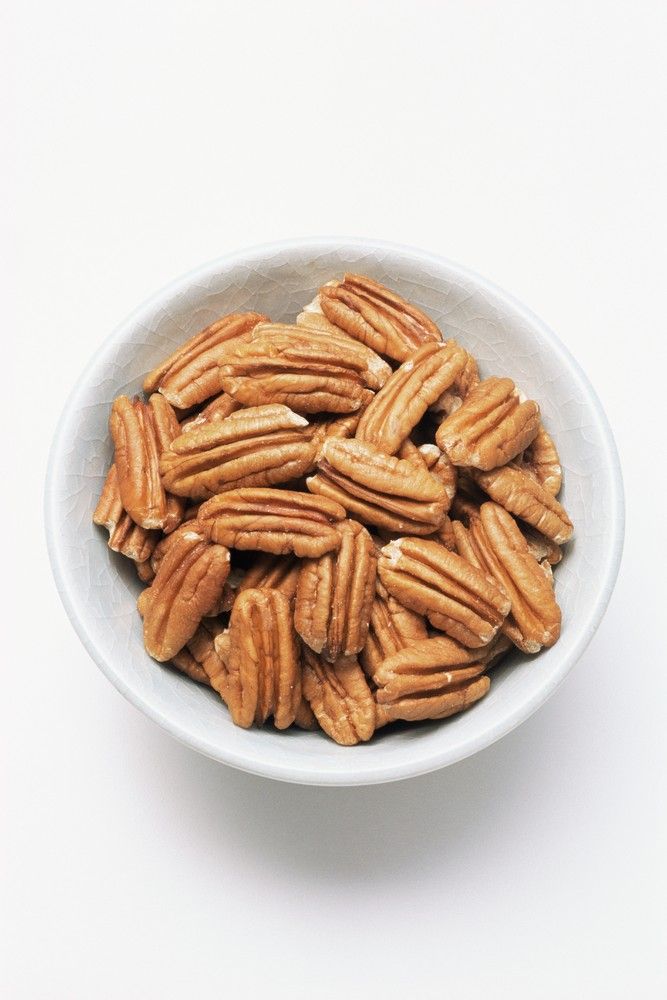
(525, 139)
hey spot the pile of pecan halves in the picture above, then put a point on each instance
(339, 524)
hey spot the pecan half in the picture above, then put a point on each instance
(166, 543)
(140, 431)
(125, 536)
(371, 313)
(520, 494)
(407, 394)
(392, 627)
(258, 446)
(262, 660)
(391, 493)
(188, 585)
(308, 373)
(165, 427)
(424, 669)
(435, 705)
(339, 695)
(542, 461)
(136, 460)
(457, 597)
(376, 370)
(191, 374)
(494, 543)
(272, 520)
(334, 595)
(490, 427)
(217, 409)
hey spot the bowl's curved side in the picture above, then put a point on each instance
(99, 590)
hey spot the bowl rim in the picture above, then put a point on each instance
(414, 764)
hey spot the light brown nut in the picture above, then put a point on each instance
(125, 536)
(258, 446)
(164, 420)
(390, 493)
(188, 585)
(491, 427)
(542, 461)
(167, 542)
(273, 520)
(425, 668)
(310, 374)
(465, 382)
(339, 695)
(267, 572)
(335, 593)
(392, 627)
(262, 660)
(165, 427)
(375, 369)
(522, 495)
(191, 374)
(136, 460)
(407, 394)
(438, 705)
(457, 597)
(494, 543)
(217, 409)
(140, 431)
(371, 313)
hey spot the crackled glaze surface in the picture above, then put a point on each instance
(99, 589)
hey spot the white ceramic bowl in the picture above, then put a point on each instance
(99, 589)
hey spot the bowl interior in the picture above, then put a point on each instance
(99, 588)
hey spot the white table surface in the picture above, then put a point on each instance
(525, 139)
